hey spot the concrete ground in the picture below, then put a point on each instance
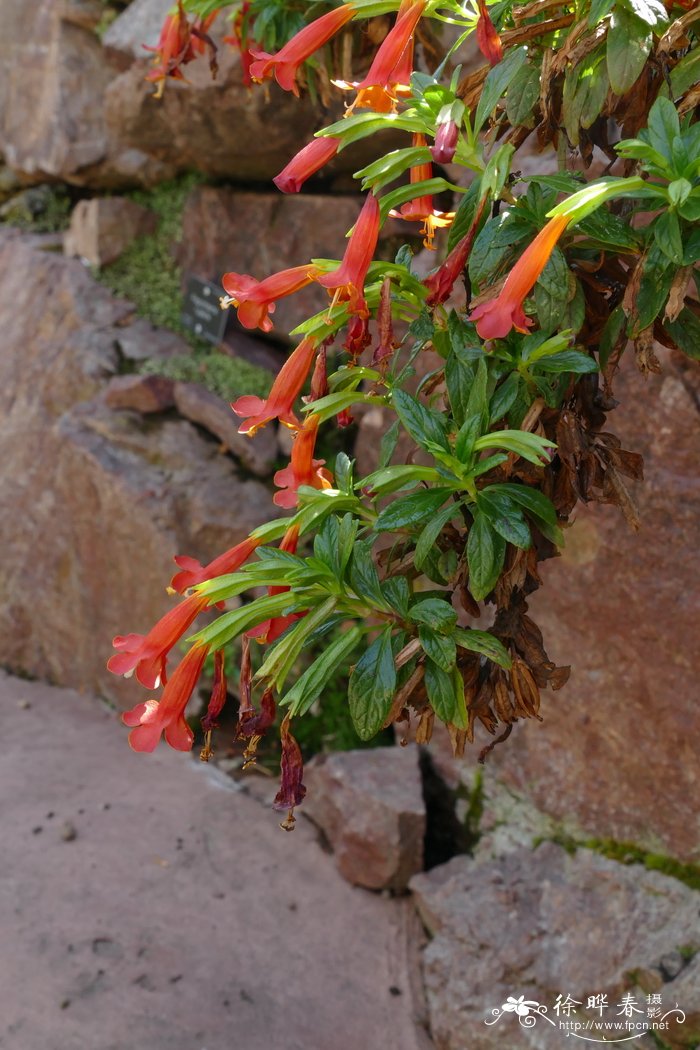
(148, 903)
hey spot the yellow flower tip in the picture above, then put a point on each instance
(289, 821)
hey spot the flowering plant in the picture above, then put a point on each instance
(539, 284)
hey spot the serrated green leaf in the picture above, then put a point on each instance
(505, 517)
(484, 643)
(568, 361)
(422, 423)
(522, 97)
(434, 613)
(371, 687)
(428, 537)
(496, 84)
(408, 511)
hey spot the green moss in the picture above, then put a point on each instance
(630, 853)
(229, 377)
(39, 209)
(149, 276)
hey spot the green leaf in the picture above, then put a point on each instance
(459, 377)
(371, 687)
(398, 594)
(599, 9)
(628, 46)
(552, 291)
(387, 446)
(568, 361)
(505, 517)
(391, 165)
(654, 287)
(537, 506)
(496, 83)
(428, 537)
(610, 335)
(497, 170)
(667, 234)
(467, 436)
(493, 244)
(422, 423)
(364, 578)
(522, 97)
(685, 332)
(464, 216)
(504, 397)
(663, 126)
(282, 658)
(434, 613)
(426, 188)
(692, 248)
(441, 648)
(343, 472)
(652, 12)
(531, 447)
(411, 510)
(485, 555)
(443, 697)
(478, 401)
(484, 643)
(585, 89)
(309, 685)
(686, 74)
(389, 479)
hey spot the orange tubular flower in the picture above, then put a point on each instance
(147, 654)
(421, 209)
(178, 44)
(255, 300)
(303, 469)
(279, 403)
(496, 317)
(286, 62)
(487, 38)
(269, 630)
(167, 715)
(393, 64)
(348, 281)
(306, 163)
(193, 572)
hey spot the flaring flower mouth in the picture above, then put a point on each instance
(279, 404)
(284, 65)
(150, 720)
(495, 318)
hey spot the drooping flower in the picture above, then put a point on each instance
(306, 163)
(256, 300)
(441, 283)
(193, 572)
(446, 138)
(253, 724)
(495, 318)
(179, 43)
(238, 39)
(348, 281)
(147, 654)
(285, 63)
(487, 38)
(215, 706)
(279, 403)
(358, 338)
(292, 791)
(303, 468)
(319, 378)
(269, 630)
(387, 343)
(391, 69)
(421, 209)
(151, 719)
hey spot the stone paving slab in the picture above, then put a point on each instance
(148, 903)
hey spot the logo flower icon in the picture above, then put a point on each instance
(520, 1006)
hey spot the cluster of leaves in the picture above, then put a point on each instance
(487, 451)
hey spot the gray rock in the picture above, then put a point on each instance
(545, 923)
(144, 394)
(210, 411)
(102, 228)
(137, 27)
(369, 804)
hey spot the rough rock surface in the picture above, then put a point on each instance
(146, 902)
(369, 804)
(102, 228)
(144, 394)
(210, 411)
(545, 923)
(96, 501)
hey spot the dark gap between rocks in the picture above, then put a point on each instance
(445, 835)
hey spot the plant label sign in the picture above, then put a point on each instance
(201, 312)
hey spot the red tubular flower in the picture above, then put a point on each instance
(193, 572)
(358, 337)
(269, 630)
(496, 317)
(147, 654)
(238, 39)
(348, 281)
(421, 209)
(319, 379)
(306, 163)
(255, 300)
(285, 63)
(446, 137)
(393, 62)
(487, 38)
(441, 283)
(292, 791)
(176, 46)
(216, 705)
(167, 715)
(279, 403)
(252, 723)
(303, 468)
(387, 343)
